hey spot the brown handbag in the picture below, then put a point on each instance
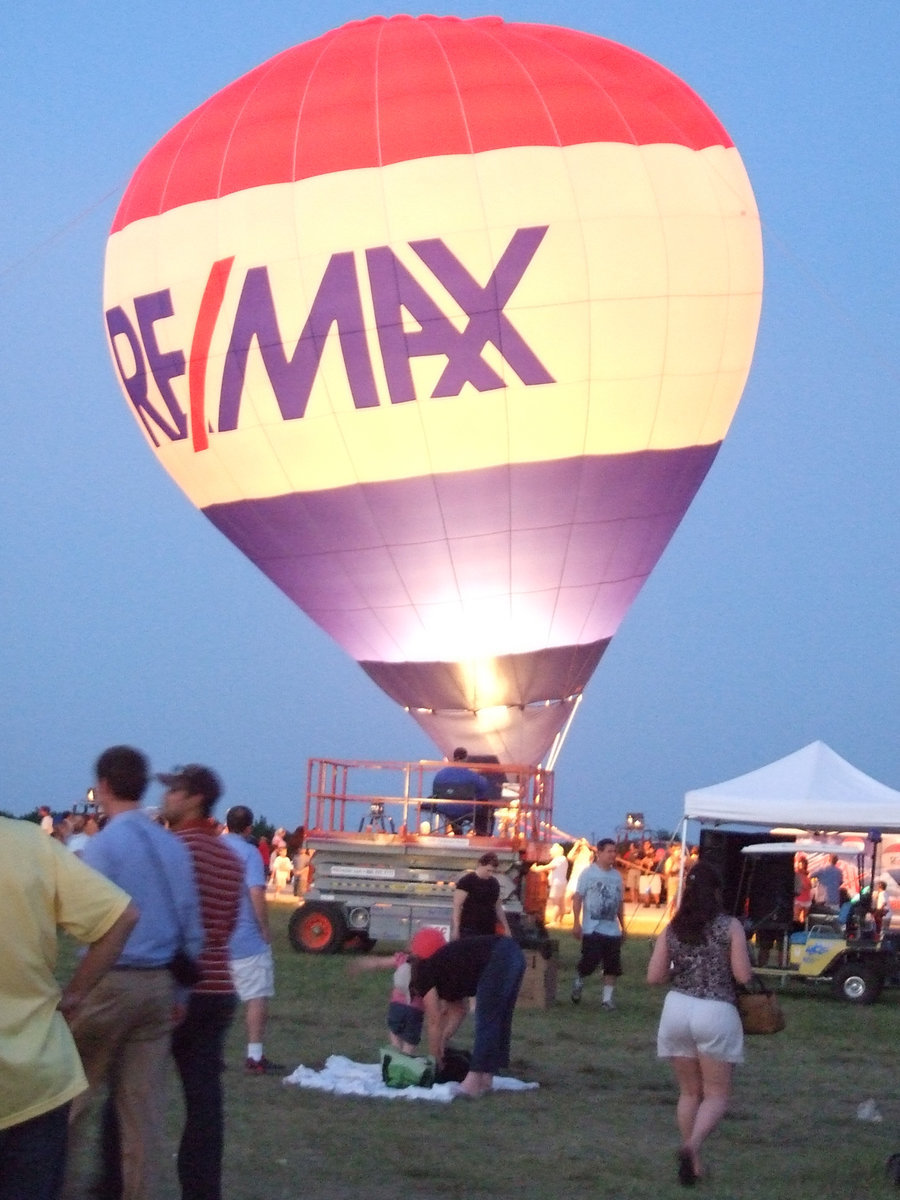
(759, 1008)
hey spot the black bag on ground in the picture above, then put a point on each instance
(455, 1066)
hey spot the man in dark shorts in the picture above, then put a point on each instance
(598, 920)
(490, 968)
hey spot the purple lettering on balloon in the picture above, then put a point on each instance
(484, 308)
(118, 325)
(395, 289)
(397, 297)
(336, 301)
(157, 306)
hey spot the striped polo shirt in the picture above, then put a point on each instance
(220, 882)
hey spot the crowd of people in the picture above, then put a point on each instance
(173, 912)
(286, 860)
(174, 915)
(702, 955)
(650, 874)
(437, 982)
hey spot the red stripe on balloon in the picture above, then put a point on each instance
(213, 295)
(399, 89)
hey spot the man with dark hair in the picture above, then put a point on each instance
(198, 1043)
(124, 772)
(252, 965)
(123, 1029)
(598, 920)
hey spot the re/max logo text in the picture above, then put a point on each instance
(337, 303)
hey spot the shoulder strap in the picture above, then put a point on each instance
(167, 883)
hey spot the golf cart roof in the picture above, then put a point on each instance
(803, 848)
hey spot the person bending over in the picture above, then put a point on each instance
(490, 968)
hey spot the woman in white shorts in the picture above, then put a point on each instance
(702, 953)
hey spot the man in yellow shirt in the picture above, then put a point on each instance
(46, 888)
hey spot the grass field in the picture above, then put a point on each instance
(600, 1125)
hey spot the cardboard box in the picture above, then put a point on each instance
(538, 988)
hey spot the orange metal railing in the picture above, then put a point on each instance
(352, 796)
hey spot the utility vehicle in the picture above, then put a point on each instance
(835, 947)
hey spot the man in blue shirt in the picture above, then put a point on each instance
(123, 1030)
(456, 784)
(830, 880)
(252, 967)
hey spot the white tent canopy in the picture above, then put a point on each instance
(814, 788)
(782, 849)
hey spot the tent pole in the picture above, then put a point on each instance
(683, 857)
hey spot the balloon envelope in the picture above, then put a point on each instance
(442, 323)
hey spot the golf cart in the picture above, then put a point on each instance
(835, 946)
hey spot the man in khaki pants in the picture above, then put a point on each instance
(123, 1030)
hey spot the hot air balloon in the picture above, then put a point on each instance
(442, 322)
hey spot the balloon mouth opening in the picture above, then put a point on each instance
(491, 712)
(526, 733)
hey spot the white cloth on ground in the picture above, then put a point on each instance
(344, 1077)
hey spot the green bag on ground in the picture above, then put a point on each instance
(400, 1070)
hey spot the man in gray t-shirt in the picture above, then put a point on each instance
(598, 920)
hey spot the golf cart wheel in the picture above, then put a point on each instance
(857, 983)
(317, 929)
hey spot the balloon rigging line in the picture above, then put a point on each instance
(58, 234)
(847, 317)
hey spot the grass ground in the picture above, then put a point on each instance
(602, 1123)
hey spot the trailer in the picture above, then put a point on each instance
(387, 854)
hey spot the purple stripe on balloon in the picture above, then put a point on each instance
(559, 548)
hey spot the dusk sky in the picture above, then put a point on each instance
(768, 623)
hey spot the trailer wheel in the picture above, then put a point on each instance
(857, 983)
(317, 929)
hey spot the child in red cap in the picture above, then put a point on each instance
(405, 1011)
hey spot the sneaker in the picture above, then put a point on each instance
(608, 1005)
(262, 1066)
(577, 988)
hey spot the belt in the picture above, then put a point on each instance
(140, 967)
